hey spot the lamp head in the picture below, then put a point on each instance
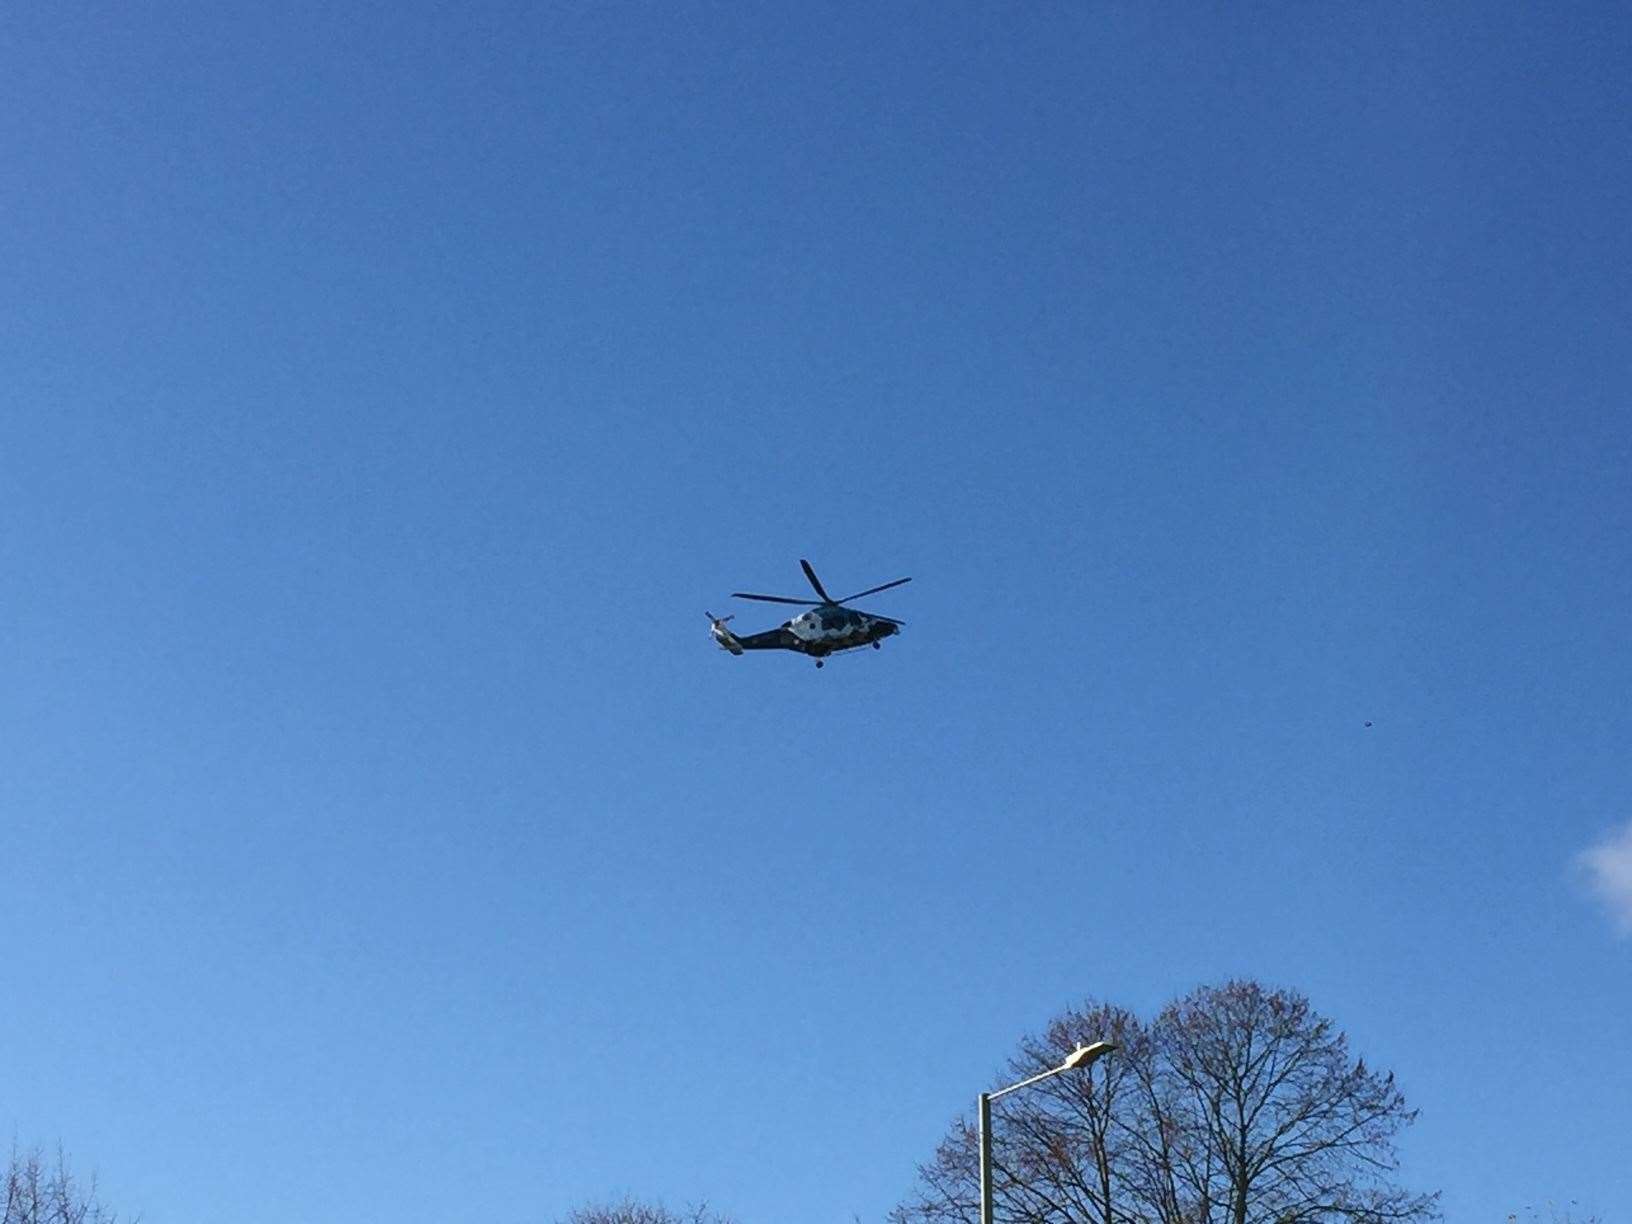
(1084, 1056)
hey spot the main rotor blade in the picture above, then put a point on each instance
(874, 590)
(803, 603)
(814, 581)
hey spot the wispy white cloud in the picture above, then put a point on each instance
(1608, 866)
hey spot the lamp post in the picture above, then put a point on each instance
(1080, 1058)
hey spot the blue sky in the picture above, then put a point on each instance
(385, 392)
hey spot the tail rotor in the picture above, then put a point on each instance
(723, 637)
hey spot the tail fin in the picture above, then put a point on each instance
(723, 637)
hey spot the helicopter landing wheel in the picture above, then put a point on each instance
(878, 645)
(818, 662)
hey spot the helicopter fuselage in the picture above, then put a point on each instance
(824, 630)
(820, 632)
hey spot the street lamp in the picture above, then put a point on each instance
(1080, 1058)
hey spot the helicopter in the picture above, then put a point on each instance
(828, 627)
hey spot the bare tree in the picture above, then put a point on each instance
(41, 1193)
(630, 1211)
(1236, 1105)
(1293, 1129)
